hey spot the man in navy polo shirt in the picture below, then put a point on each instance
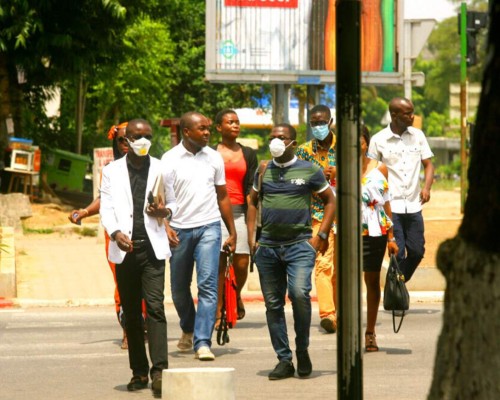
(286, 251)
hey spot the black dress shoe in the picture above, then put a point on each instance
(304, 366)
(137, 383)
(156, 385)
(283, 370)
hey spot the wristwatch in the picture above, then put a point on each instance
(168, 218)
(323, 235)
(113, 235)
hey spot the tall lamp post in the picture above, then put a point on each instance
(348, 252)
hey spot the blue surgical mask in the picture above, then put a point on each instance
(320, 132)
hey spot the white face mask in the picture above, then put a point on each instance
(277, 147)
(140, 147)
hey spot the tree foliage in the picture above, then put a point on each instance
(137, 58)
(50, 43)
(440, 63)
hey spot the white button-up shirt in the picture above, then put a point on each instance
(403, 156)
(194, 177)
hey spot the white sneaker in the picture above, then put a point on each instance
(204, 354)
(185, 342)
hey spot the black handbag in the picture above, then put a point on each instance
(396, 296)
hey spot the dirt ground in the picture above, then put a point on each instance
(442, 219)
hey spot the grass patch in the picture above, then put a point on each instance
(446, 184)
(85, 231)
(39, 231)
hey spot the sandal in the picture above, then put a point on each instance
(241, 309)
(370, 342)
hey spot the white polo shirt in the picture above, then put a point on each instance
(194, 177)
(403, 156)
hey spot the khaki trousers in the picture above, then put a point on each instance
(326, 276)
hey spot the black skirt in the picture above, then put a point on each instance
(373, 252)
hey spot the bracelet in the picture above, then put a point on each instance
(392, 240)
(86, 211)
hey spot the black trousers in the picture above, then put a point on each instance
(409, 234)
(142, 275)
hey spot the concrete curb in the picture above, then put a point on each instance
(250, 297)
(5, 303)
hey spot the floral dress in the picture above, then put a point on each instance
(374, 194)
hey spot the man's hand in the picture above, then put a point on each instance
(123, 242)
(425, 196)
(173, 239)
(252, 245)
(319, 244)
(157, 210)
(330, 173)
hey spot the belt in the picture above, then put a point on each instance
(139, 243)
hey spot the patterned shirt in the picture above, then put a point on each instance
(286, 204)
(374, 195)
(311, 152)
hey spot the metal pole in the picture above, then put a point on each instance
(348, 252)
(407, 59)
(463, 105)
(312, 97)
(281, 103)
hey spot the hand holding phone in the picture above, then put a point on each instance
(77, 221)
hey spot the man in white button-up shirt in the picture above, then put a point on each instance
(404, 149)
(197, 175)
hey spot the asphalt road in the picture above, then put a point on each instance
(74, 353)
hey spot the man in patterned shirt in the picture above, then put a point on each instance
(321, 152)
(287, 249)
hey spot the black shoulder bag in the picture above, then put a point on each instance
(396, 296)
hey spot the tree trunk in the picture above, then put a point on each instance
(81, 90)
(467, 362)
(5, 106)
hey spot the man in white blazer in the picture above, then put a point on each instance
(139, 247)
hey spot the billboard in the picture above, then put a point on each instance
(294, 41)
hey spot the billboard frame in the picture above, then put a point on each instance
(308, 77)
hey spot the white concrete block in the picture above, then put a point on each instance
(198, 383)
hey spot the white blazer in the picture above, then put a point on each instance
(117, 209)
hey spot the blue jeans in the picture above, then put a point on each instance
(281, 268)
(409, 234)
(200, 244)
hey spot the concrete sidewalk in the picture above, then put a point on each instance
(69, 270)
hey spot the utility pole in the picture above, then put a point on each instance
(348, 251)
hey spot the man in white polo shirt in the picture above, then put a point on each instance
(404, 149)
(197, 174)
